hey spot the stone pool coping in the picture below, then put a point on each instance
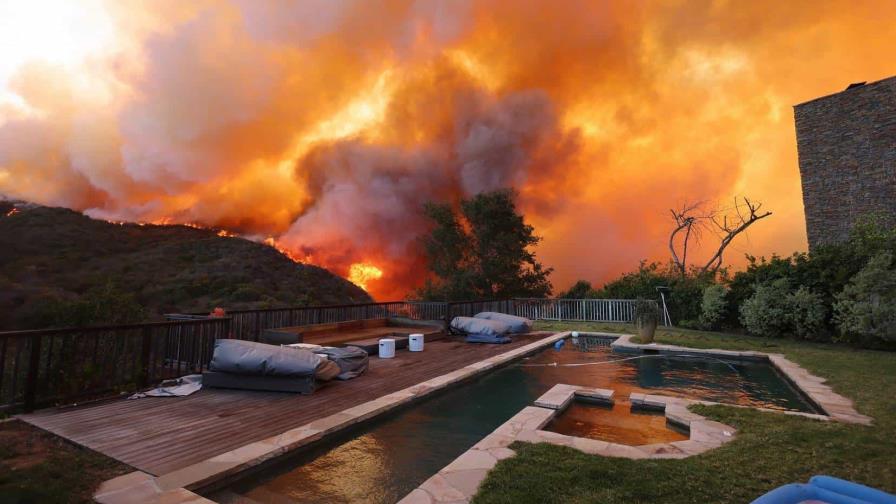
(813, 387)
(176, 487)
(459, 481)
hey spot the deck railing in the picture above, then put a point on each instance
(248, 324)
(61, 366)
(588, 310)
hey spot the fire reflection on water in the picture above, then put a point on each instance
(382, 461)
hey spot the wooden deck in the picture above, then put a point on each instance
(159, 435)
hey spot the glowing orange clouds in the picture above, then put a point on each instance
(327, 125)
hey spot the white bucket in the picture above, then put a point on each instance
(387, 348)
(415, 343)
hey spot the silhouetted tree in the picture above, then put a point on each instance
(482, 251)
(580, 290)
(691, 219)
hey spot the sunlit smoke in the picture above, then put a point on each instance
(327, 125)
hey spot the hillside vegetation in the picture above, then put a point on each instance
(55, 261)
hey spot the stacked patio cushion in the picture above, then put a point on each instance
(516, 325)
(257, 366)
(352, 361)
(481, 330)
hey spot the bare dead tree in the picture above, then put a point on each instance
(687, 220)
(691, 219)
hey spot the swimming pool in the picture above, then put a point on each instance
(382, 460)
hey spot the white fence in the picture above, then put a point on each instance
(586, 310)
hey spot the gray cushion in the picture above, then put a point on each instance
(250, 358)
(352, 361)
(470, 325)
(517, 324)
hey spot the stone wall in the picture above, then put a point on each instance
(847, 157)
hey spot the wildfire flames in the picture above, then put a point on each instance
(327, 125)
(272, 242)
(361, 274)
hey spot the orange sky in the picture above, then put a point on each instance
(327, 124)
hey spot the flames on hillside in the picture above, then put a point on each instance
(327, 125)
(359, 273)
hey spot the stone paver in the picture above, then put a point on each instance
(139, 487)
(560, 395)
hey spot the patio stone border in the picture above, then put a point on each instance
(459, 481)
(175, 487)
(813, 387)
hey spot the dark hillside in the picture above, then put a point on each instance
(51, 257)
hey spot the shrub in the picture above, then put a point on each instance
(806, 313)
(685, 296)
(580, 290)
(764, 313)
(713, 306)
(865, 311)
(107, 304)
(689, 324)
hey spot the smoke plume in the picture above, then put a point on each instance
(327, 125)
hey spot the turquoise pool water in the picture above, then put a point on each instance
(381, 461)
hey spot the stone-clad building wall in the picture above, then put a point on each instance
(847, 156)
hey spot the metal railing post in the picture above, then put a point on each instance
(145, 351)
(33, 374)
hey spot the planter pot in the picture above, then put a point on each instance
(646, 331)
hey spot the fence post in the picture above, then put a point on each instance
(33, 373)
(257, 326)
(447, 316)
(145, 351)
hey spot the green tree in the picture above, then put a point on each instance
(685, 296)
(580, 290)
(866, 309)
(482, 251)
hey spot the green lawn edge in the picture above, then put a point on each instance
(770, 450)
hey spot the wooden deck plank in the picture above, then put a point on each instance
(159, 435)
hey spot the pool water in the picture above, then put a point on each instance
(383, 460)
(616, 423)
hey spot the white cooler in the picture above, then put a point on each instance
(387, 348)
(415, 343)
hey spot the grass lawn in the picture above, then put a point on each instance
(38, 467)
(770, 449)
